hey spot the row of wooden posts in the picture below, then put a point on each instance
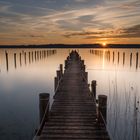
(108, 56)
(32, 55)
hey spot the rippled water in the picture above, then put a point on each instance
(24, 73)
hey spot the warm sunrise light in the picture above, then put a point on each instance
(104, 44)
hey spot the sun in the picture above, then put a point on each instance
(104, 44)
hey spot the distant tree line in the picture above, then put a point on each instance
(73, 46)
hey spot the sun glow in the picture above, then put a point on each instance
(104, 44)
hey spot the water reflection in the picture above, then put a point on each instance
(119, 80)
(27, 72)
(23, 76)
(21, 57)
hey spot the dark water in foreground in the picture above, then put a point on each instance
(27, 72)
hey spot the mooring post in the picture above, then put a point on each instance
(58, 73)
(20, 59)
(66, 64)
(84, 67)
(7, 64)
(44, 105)
(61, 69)
(118, 57)
(113, 56)
(55, 83)
(86, 76)
(25, 57)
(130, 59)
(123, 58)
(102, 108)
(93, 88)
(137, 59)
(15, 61)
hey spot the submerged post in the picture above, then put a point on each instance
(93, 88)
(102, 108)
(44, 105)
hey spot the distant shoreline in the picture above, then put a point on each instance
(73, 46)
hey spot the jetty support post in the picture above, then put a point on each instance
(44, 105)
(61, 69)
(93, 88)
(55, 83)
(102, 109)
(137, 59)
(58, 74)
(66, 64)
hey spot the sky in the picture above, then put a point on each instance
(69, 22)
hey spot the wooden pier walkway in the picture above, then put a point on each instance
(73, 113)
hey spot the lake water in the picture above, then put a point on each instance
(24, 73)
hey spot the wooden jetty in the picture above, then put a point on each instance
(73, 114)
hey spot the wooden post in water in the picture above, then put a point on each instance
(113, 57)
(137, 59)
(43, 104)
(25, 57)
(130, 59)
(86, 76)
(55, 83)
(102, 108)
(66, 64)
(7, 64)
(20, 59)
(93, 88)
(61, 69)
(15, 61)
(58, 74)
(32, 56)
(123, 58)
(118, 57)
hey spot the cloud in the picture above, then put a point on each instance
(81, 0)
(70, 18)
(131, 32)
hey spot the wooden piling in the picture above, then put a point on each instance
(20, 59)
(123, 58)
(113, 57)
(61, 69)
(43, 104)
(137, 59)
(32, 56)
(102, 108)
(7, 64)
(86, 76)
(58, 73)
(66, 64)
(55, 83)
(25, 57)
(93, 88)
(15, 61)
(130, 59)
(118, 57)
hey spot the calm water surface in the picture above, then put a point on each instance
(24, 73)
